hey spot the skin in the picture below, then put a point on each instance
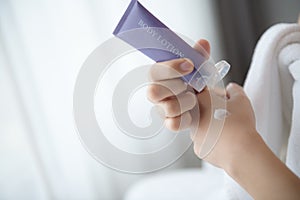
(240, 150)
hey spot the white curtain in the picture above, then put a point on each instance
(42, 46)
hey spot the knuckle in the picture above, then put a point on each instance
(192, 98)
(168, 71)
(172, 124)
(153, 92)
(182, 86)
(172, 108)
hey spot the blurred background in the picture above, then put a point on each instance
(43, 44)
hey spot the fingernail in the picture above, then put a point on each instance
(186, 65)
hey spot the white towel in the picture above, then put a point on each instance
(273, 86)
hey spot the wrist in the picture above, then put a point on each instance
(261, 173)
(250, 145)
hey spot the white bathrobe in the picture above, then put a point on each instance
(273, 86)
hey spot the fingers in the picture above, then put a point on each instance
(171, 69)
(161, 90)
(180, 104)
(170, 93)
(178, 123)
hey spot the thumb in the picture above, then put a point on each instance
(233, 90)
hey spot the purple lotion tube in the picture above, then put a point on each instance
(139, 28)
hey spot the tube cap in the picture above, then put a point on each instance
(209, 73)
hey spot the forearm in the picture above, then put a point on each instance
(262, 174)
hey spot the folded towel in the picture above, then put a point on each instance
(293, 151)
(273, 87)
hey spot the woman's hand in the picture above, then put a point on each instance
(175, 98)
(238, 132)
(178, 102)
(240, 150)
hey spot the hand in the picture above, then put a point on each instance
(170, 93)
(178, 102)
(238, 133)
(240, 150)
